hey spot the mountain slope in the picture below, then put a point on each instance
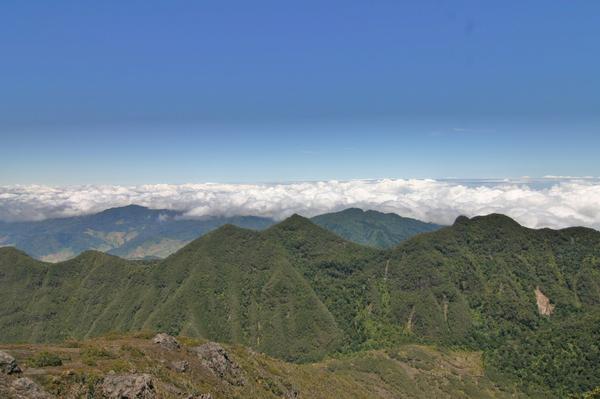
(133, 232)
(493, 267)
(342, 273)
(376, 229)
(233, 284)
(84, 296)
(236, 285)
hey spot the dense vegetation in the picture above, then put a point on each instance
(561, 357)
(376, 229)
(528, 298)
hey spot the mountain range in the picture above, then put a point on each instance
(528, 299)
(136, 232)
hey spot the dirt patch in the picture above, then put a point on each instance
(543, 303)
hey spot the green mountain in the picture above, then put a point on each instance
(132, 232)
(298, 292)
(376, 229)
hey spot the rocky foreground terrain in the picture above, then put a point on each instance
(162, 366)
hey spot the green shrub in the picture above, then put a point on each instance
(189, 341)
(45, 359)
(120, 365)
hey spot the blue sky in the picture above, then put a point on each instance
(264, 91)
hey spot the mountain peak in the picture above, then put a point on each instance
(227, 233)
(372, 228)
(10, 250)
(299, 231)
(295, 221)
(497, 219)
(461, 220)
(127, 209)
(229, 229)
(487, 221)
(92, 254)
(350, 211)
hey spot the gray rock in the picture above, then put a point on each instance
(180, 366)
(128, 386)
(293, 393)
(8, 364)
(24, 388)
(217, 360)
(201, 396)
(166, 341)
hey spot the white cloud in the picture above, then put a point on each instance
(163, 217)
(550, 203)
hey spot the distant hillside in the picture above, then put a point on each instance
(132, 232)
(298, 292)
(376, 229)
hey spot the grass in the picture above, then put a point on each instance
(90, 355)
(421, 371)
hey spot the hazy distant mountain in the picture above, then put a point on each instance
(377, 229)
(133, 232)
(530, 299)
(136, 232)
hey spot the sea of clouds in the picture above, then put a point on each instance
(550, 202)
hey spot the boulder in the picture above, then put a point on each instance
(25, 388)
(218, 361)
(8, 364)
(166, 341)
(129, 386)
(293, 393)
(180, 366)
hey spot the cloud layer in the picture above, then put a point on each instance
(552, 203)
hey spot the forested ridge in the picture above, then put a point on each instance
(528, 299)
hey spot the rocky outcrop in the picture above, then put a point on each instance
(166, 341)
(543, 303)
(8, 364)
(293, 393)
(180, 366)
(25, 388)
(214, 357)
(129, 386)
(17, 388)
(201, 396)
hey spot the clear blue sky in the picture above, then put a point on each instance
(129, 92)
